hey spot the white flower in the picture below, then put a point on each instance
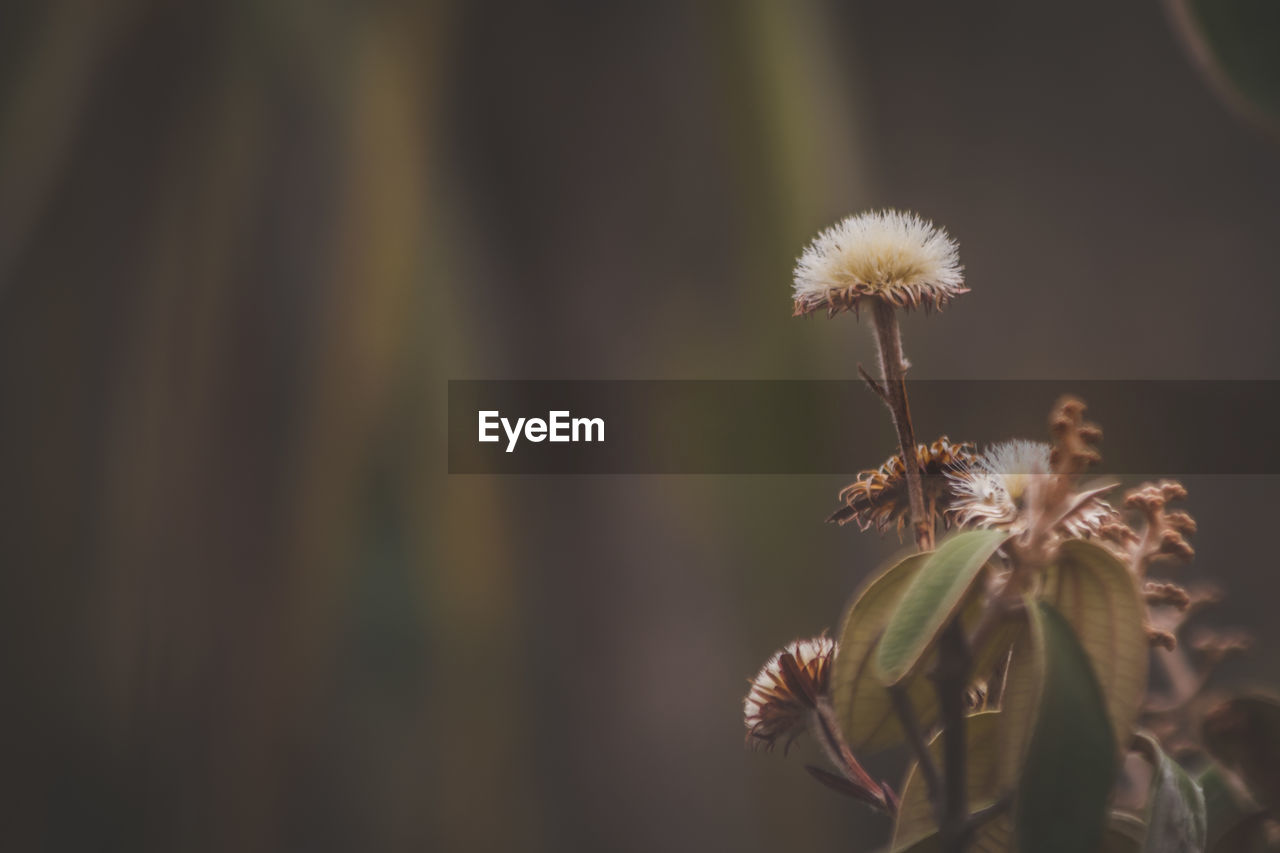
(888, 255)
(786, 689)
(995, 489)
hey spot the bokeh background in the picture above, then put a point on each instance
(244, 245)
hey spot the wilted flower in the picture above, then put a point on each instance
(887, 255)
(993, 490)
(786, 689)
(878, 498)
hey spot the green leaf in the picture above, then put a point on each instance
(1071, 760)
(1227, 807)
(915, 829)
(1234, 43)
(1100, 599)
(933, 599)
(1176, 821)
(1023, 682)
(861, 702)
(1244, 735)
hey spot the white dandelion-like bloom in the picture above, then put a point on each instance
(786, 689)
(888, 255)
(993, 490)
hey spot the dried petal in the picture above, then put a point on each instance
(786, 689)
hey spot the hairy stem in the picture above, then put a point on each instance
(893, 368)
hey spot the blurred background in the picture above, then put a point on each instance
(244, 245)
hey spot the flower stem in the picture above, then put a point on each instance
(827, 731)
(893, 369)
(952, 673)
(950, 680)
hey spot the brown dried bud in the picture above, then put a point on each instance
(1203, 595)
(786, 689)
(1161, 639)
(879, 499)
(1166, 532)
(1181, 522)
(1160, 594)
(1073, 438)
(1118, 532)
(1173, 545)
(1218, 644)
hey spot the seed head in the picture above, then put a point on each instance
(786, 689)
(995, 491)
(895, 257)
(878, 498)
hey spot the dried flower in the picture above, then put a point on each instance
(1160, 638)
(878, 498)
(1165, 533)
(896, 257)
(1073, 438)
(1165, 594)
(1215, 645)
(993, 490)
(786, 689)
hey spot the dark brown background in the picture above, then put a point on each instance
(244, 245)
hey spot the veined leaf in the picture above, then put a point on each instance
(1071, 759)
(934, 597)
(1244, 734)
(1175, 804)
(1023, 682)
(861, 701)
(915, 829)
(1228, 808)
(1097, 595)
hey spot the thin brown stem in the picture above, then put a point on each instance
(893, 369)
(915, 739)
(828, 734)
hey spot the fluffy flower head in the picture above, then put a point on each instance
(895, 257)
(786, 689)
(996, 488)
